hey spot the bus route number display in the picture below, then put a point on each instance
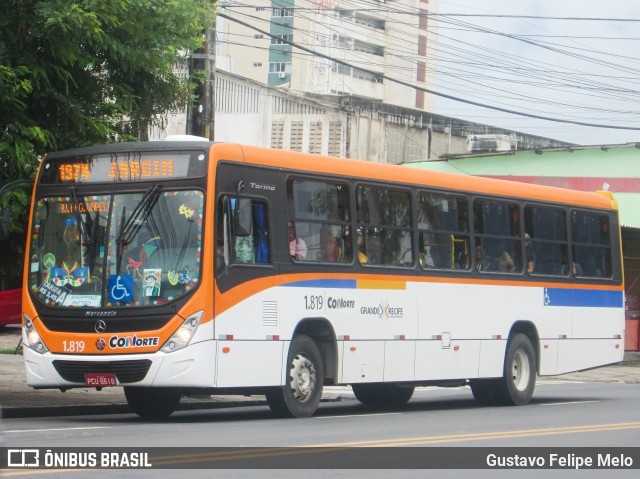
(123, 168)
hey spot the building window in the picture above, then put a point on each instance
(423, 17)
(258, 36)
(335, 138)
(420, 99)
(280, 39)
(297, 130)
(421, 72)
(422, 46)
(363, 75)
(283, 12)
(257, 64)
(277, 134)
(315, 137)
(279, 67)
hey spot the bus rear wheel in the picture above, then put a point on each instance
(301, 395)
(515, 387)
(153, 403)
(382, 394)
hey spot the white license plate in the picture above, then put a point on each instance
(100, 380)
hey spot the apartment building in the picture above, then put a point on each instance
(349, 47)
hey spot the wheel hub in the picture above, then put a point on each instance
(520, 370)
(303, 378)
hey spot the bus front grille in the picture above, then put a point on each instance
(126, 371)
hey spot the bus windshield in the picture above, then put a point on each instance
(120, 250)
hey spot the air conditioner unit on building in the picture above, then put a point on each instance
(282, 75)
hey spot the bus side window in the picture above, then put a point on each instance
(443, 231)
(545, 240)
(241, 232)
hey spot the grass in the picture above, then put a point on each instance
(10, 350)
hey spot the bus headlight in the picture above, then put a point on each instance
(183, 335)
(33, 338)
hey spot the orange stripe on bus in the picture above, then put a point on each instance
(381, 284)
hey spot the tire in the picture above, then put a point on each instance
(153, 403)
(383, 394)
(516, 386)
(301, 395)
(484, 391)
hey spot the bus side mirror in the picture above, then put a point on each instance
(244, 217)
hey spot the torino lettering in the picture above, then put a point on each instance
(122, 342)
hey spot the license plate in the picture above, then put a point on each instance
(100, 380)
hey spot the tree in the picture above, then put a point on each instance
(79, 72)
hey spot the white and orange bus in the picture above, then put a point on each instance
(175, 268)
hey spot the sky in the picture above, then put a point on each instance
(575, 70)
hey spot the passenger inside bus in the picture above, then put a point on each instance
(297, 246)
(333, 251)
(362, 257)
(482, 262)
(505, 262)
(530, 254)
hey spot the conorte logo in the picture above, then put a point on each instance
(23, 458)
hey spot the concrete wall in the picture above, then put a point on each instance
(253, 113)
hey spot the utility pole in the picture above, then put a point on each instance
(201, 112)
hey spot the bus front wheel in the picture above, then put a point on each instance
(153, 403)
(301, 395)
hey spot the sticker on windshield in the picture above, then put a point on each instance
(172, 277)
(50, 293)
(152, 278)
(186, 211)
(80, 300)
(69, 275)
(49, 260)
(183, 277)
(121, 288)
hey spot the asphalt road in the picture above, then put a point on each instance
(562, 414)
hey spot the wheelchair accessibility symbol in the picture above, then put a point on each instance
(121, 288)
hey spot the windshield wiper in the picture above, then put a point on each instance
(130, 227)
(87, 238)
(88, 228)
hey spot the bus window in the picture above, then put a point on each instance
(318, 227)
(443, 238)
(384, 217)
(242, 235)
(591, 244)
(546, 247)
(497, 232)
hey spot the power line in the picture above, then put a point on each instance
(426, 90)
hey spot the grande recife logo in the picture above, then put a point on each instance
(383, 311)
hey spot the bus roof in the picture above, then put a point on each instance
(404, 175)
(362, 169)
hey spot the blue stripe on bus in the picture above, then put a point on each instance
(324, 283)
(587, 298)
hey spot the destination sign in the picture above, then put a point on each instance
(124, 167)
